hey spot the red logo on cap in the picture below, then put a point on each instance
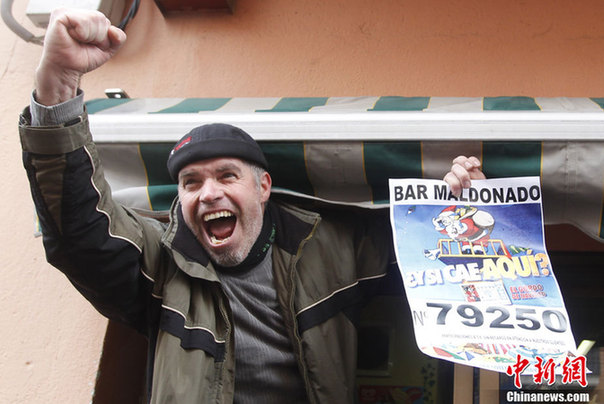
(181, 144)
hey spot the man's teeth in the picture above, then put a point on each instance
(218, 241)
(213, 216)
(216, 215)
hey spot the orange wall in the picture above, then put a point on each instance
(51, 338)
(359, 47)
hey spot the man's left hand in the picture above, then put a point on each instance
(463, 171)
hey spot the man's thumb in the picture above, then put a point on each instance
(116, 37)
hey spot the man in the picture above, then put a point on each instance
(242, 298)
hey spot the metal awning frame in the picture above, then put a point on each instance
(373, 126)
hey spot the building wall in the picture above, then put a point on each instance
(51, 337)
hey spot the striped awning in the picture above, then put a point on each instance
(343, 150)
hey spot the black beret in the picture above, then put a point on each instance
(214, 140)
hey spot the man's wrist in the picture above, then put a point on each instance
(55, 86)
(43, 115)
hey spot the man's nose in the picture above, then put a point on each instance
(210, 192)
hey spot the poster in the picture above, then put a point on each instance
(480, 286)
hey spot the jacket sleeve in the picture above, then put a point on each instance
(103, 248)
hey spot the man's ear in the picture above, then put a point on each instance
(266, 183)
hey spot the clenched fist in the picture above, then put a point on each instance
(76, 42)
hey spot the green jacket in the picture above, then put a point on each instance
(156, 277)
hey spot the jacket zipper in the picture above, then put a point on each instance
(227, 321)
(295, 260)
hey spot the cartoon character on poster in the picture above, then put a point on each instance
(467, 225)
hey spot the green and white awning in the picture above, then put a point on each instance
(343, 150)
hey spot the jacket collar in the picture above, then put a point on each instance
(294, 225)
(188, 254)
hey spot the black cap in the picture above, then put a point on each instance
(214, 140)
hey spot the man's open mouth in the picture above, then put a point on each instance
(219, 225)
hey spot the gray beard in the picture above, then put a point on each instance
(231, 258)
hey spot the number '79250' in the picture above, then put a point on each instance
(499, 317)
